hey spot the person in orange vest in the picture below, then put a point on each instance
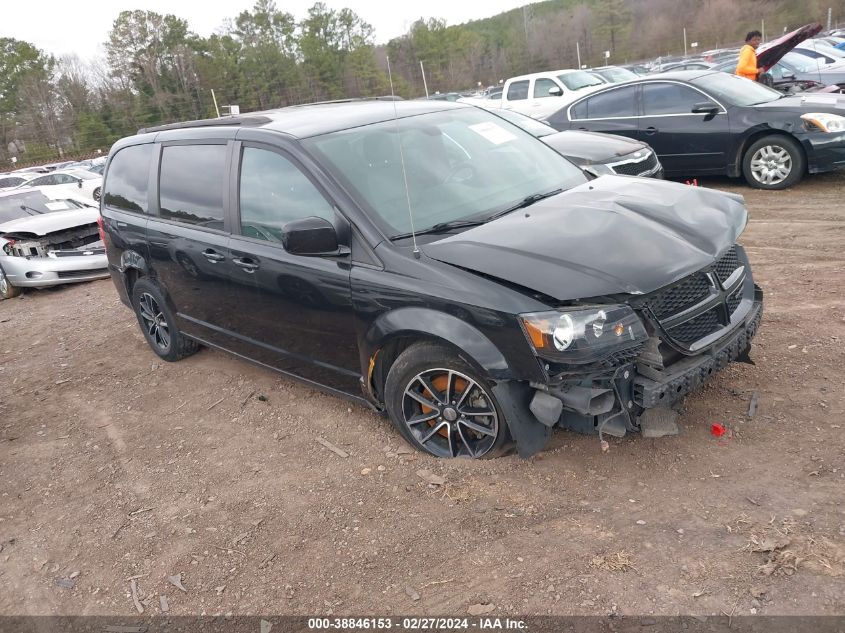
(747, 65)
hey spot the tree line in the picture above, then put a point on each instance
(157, 70)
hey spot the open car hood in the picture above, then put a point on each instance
(612, 235)
(41, 225)
(771, 53)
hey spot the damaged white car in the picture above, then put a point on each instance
(47, 241)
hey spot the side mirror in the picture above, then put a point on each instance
(788, 74)
(555, 91)
(311, 236)
(79, 183)
(705, 107)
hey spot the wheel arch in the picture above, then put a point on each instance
(748, 141)
(393, 332)
(133, 266)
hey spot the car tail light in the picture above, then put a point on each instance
(100, 229)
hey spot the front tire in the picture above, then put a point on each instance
(774, 162)
(441, 406)
(158, 323)
(96, 195)
(7, 290)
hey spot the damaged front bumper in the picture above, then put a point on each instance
(696, 327)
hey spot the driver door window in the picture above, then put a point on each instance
(542, 87)
(273, 192)
(660, 99)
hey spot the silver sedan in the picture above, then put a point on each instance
(47, 241)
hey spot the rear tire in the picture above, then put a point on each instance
(463, 418)
(158, 323)
(774, 162)
(7, 290)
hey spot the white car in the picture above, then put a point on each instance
(48, 238)
(84, 183)
(540, 95)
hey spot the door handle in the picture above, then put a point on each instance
(651, 131)
(121, 225)
(247, 264)
(212, 256)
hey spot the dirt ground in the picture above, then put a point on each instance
(114, 465)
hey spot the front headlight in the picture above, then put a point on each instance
(824, 122)
(583, 335)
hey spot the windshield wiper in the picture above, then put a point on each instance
(442, 227)
(525, 202)
(461, 224)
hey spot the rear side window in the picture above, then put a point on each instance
(126, 185)
(518, 90)
(273, 192)
(191, 184)
(608, 105)
(10, 182)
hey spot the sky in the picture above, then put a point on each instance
(64, 27)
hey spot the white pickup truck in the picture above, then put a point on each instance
(539, 95)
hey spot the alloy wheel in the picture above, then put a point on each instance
(4, 284)
(450, 414)
(155, 321)
(771, 165)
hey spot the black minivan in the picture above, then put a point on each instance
(433, 261)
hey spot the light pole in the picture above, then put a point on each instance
(685, 41)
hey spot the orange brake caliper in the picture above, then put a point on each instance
(440, 383)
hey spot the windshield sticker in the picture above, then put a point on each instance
(492, 132)
(56, 206)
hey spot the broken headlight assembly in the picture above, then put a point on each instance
(824, 122)
(583, 335)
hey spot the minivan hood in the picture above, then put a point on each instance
(41, 225)
(588, 148)
(612, 235)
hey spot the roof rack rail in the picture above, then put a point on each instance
(350, 100)
(246, 121)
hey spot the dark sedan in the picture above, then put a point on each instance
(596, 153)
(706, 122)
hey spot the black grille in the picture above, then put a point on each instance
(695, 329)
(727, 263)
(70, 274)
(734, 300)
(640, 167)
(674, 299)
(622, 357)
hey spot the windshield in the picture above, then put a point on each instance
(22, 205)
(532, 126)
(617, 74)
(578, 79)
(736, 90)
(460, 164)
(801, 63)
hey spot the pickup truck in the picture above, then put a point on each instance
(539, 95)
